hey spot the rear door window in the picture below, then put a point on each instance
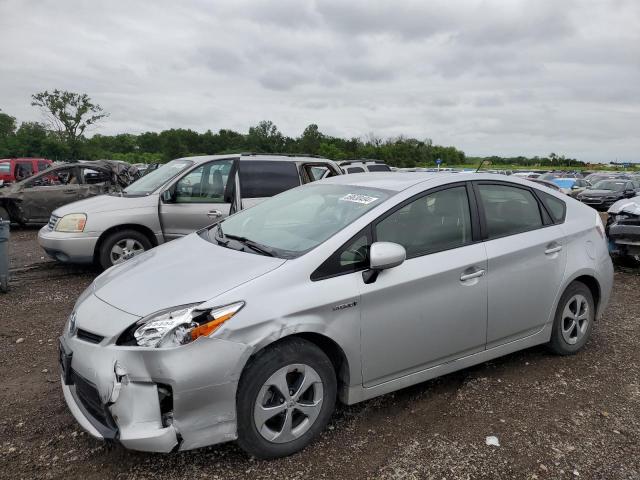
(379, 168)
(260, 178)
(42, 166)
(23, 170)
(509, 210)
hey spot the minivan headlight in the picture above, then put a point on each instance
(181, 325)
(72, 223)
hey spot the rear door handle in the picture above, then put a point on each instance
(552, 250)
(68, 192)
(470, 276)
(214, 213)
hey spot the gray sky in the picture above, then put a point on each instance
(489, 77)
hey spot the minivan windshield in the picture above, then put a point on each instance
(613, 185)
(296, 221)
(152, 181)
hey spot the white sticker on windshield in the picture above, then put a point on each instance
(356, 198)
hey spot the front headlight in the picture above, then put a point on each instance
(182, 325)
(72, 223)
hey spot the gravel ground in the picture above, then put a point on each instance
(572, 417)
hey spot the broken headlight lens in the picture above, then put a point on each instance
(72, 223)
(182, 325)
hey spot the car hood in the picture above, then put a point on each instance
(600, 193)
(105, 203)
(626, 205)
(184, 271)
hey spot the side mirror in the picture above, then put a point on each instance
(575, 187)
(629, 193)
(167, 195)
(382, 256)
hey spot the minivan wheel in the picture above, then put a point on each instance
(573, 321)
(122, 245)
(286, 396)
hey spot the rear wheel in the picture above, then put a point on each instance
(121, 246)
(285, 398)
(573, 321)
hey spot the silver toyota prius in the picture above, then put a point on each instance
(344, 289)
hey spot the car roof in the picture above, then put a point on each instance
(399, 181)
(273, 157)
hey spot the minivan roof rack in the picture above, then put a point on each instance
(306, 155)
(361, 160)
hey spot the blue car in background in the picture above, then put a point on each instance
(571, 186)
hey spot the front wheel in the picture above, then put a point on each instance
(573, 321)
(122, 245)
(286, 396)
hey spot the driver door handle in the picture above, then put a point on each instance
(214, 213)
(552, 250)
(470, 276)
(68, 191)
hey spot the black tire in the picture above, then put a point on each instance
(258, 371)
(565, 338)
(104, 253)
(4, 214)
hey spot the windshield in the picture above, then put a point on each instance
(152, 181)
(298, 220)
(610, 185)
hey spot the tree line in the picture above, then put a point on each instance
(68, 116)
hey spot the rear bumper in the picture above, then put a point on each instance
(68, 247)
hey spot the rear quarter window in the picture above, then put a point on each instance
(260, 179)
(556, 207)
(355, 170)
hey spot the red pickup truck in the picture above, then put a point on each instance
(16, 169)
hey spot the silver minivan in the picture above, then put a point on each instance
(178, 198)
(347, 288)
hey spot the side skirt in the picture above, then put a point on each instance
(358, 393)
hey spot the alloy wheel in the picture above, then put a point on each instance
(575, 319)
(125, 249)
(288, 403)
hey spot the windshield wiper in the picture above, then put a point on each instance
(258, 247)
(219, 236)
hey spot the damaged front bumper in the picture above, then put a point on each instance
(150, 399)
(623, 232)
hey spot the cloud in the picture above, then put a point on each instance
(488, 76)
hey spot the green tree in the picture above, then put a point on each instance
(7, 125)
(265, 137)
(68, 114)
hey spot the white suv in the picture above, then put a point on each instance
(362, 166)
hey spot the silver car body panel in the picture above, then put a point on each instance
(378, 328)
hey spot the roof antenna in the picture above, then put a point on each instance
(481, 163)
